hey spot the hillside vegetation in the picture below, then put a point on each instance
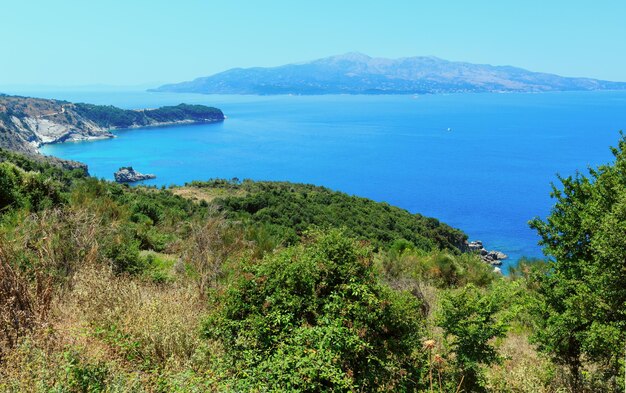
(111, 117)
(268, 286)
(289, 209)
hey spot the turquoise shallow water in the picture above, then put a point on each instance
(480, 162)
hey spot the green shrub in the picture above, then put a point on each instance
(84, 377)
(10, 181)
(314, 317)
(122, 248)
(469, 321)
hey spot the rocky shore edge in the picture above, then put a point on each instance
(493, 257)
(108, 134)
(127, 174)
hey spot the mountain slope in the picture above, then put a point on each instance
(27, 123)
(355, 73)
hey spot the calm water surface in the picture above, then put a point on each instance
(480, 162)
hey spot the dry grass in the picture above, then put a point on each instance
(523, 369)
(21, 307)
(211, 244)
(129, 333)
(139, 320)
(207, 194)
(40, 243)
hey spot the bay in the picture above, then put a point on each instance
(479, 162)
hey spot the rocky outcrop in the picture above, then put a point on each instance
(493, 258)
(128, 175)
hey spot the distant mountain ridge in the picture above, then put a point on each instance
(356, 73)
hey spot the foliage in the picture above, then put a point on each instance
(469, 319)
(10, 180)
(110, 287)
(313, 317)
(184, 112)
(113, 117)
(440, 268)
(84, 377)
(291, 209)
(26, 189)
(582, 314)
(49, 168)
(530, 270)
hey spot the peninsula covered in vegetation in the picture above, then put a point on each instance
(27, 123)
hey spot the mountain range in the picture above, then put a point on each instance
(356, 73)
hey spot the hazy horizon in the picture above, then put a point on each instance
(72, 43)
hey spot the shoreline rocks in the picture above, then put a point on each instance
(127, 174)
(494, 258)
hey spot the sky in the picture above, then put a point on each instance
(149, 42)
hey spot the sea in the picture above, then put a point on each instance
(480, 162)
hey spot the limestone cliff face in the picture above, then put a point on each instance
(27, 123)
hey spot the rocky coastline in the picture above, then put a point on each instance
(493, 257)
(107, 133)
(128, 175)
(28, 123)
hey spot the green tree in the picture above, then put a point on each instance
(313, 317)
(582, 310)
(469, 320)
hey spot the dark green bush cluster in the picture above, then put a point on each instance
(290, 209)
(110, 116)
(470, 322)
(184, 112)
(21, 189)
(113, 117)
(314, 317)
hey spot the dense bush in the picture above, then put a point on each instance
(291, 209)
(10, 182)
(185, 112)
(313, 317)
(110, 116)
(27, 189)
(113, 117)
(470, 323)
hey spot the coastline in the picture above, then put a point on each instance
(107, 133)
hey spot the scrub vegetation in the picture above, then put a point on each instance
(232, 285)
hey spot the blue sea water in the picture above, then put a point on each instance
(479, 162)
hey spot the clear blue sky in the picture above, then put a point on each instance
(131, 42)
